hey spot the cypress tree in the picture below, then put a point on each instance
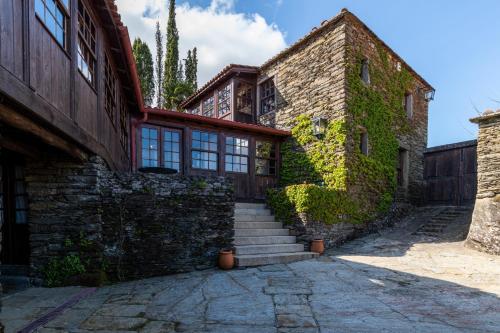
(145, 70)
(159, 65)
(194, 68)
(172, 57)
(180, 73)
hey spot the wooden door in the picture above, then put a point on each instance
(451, 176)
(14, 212)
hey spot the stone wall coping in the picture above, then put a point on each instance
(451, 146)
(486, 116)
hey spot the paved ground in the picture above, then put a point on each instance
(391, 282)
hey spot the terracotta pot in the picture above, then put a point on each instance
(318, 246)
(226, 259)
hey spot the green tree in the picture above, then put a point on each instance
(181, 91)
(180, 73)
(171, 58)
(191, 69)
(144, 64)
(159, 65)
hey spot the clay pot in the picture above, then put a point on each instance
(226, 259)
(318, 246)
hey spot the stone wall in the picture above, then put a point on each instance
(306, 229)
(309, 80)
(128, 225)
(484, 233)
(361, 41)
(158, 224)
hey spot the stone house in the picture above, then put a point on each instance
(332, 129)
(358, 116)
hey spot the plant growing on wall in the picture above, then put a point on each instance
(329, 179)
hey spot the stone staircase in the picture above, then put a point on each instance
(437, 223)
(259, 240)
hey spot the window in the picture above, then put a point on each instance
(21, 197)
(363, 143)
(149, 140)
(224, 100)
(204, 150)
(402, 167)
(208, 107)
(53, 13)
(109, 90)
(267, 97)
(244, 97)
(123, 125)
(265, 161)
(408, 105)
(171, 149)
(236, 155)
(365, 72)
(86, 44)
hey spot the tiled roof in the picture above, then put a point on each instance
(217, 78)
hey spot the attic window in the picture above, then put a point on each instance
(365, 73)
(408, 105)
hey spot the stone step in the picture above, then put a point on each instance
(272, 258)
(253, 218)
(245, 205)
(260, 232)
(262, 240)
(252, 211)
(14, 283)
(257, 225)
(272, 248)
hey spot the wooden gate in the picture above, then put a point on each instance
(451, 174)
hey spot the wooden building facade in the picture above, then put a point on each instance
(68, 90)
(196, 145)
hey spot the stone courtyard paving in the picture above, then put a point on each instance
(387, 282)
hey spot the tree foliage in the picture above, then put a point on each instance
(171, 58)
(159, 65)
(145, 70)
(191, 69)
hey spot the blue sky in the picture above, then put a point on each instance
(454, 45)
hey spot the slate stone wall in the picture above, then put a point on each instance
(130, 225)
(484, 233)
(334, 235)
(360, 41)
(160, 224)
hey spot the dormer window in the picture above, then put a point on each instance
(365, 72)
(408, 105)
(224, 100)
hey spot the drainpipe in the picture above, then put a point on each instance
(135, 124)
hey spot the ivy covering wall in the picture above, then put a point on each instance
(328, 178)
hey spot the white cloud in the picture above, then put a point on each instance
(221, 35)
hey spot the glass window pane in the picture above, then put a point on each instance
(51, 5)
(175, 147)
(60, 17)
(196, 144)
(196, 135)
(51, 23)
(175, 137)
(229, 167)
(244, 168)
(204, 136)
(213, 137)
(213, 166)
(213, 147)
(244, 151)
(39, 8)
(167, 136)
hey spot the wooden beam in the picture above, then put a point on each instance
(18, 147)
(14, 119)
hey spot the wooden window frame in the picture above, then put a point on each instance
(233, 153)
(160, 138)
(408, 105)
(65, 11)
(163, 152)
(265, 96)
(224, 100)
(158, 147)
(110, 90)
(87, 43)
(203, 108)
(124, 125)
(202, 150)
(269, 159)
(245, 99)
